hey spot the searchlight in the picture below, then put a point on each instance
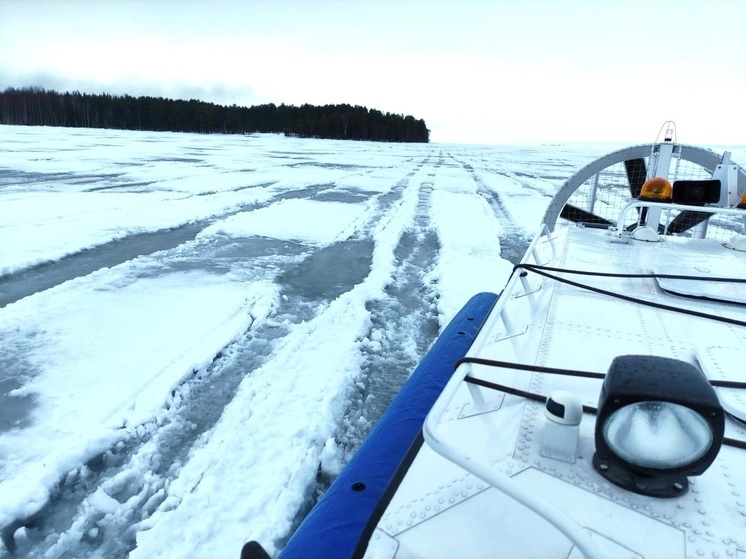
(696, 192)
(659, 421)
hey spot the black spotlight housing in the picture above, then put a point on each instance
(659, 421)
(696, 192)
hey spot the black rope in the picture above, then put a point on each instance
(540, 270)
(518, 392)
(728, 384)
(569, 372)
(531, 368)
(528, 266)
(734, 442)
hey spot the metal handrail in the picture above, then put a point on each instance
(497, 312)
(621, 228)
(557, 517)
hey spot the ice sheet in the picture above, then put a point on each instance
(95, 357)
(101, 354)
(293, 220)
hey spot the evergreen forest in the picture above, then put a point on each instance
(35, 106)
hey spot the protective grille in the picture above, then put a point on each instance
(601, 198)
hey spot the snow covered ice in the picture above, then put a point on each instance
(198, 331)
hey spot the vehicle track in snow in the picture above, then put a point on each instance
(404, 325)
(127, 483)
(98, 508)
(137, 470)
(544, 184)
(513, 240)
(17, 285)
(22, 283)
(41, 277)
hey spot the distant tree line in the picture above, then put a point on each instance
(38, 107)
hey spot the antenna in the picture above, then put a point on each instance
(667, 133)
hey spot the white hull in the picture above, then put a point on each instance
(641, 312)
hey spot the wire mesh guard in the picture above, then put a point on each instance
(599, 201)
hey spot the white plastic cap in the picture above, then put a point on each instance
(647, 234)
(738, 242)
(564, 408)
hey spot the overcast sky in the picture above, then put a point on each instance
(476, 71)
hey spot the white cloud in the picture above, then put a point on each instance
(491, 71)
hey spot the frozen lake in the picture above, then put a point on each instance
(198, 331)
